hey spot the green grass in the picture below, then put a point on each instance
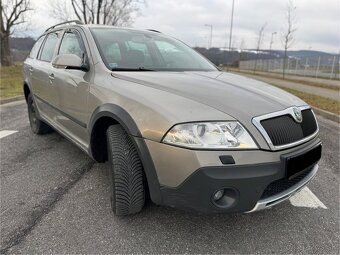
(11, 81)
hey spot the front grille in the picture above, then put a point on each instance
(284, 129)
(281, 185)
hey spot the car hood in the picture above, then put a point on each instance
(235, 95)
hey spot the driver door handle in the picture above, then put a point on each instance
(51, 77)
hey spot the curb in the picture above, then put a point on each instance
(327, 115)
(11, 99)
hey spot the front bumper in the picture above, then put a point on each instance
(257, 184)
(286, 194)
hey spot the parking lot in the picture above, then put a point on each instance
(55, 199)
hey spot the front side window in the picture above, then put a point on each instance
(129, 50)
(49, 47)
(72, 44)
(36, 47)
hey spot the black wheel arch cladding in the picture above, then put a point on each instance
(122, 117)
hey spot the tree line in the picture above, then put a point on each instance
(287, 36)
(15, 13)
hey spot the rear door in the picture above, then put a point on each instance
(30, 65)
(73, 88)
(45, 92)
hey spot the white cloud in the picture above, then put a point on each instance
(318, 21)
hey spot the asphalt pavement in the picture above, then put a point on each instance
(55, 199)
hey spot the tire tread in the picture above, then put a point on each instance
(127, 172)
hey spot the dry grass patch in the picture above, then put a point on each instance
(279, 77)
(11, 81)
(323, 103)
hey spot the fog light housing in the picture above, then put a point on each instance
(225, 198)
(218, 195)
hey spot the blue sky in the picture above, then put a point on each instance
(318, 21)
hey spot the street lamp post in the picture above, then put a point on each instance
(272, 41)
(231, 25)
(231, 28)
(210, 38)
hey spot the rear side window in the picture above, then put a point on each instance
(49, 47)
(36, 47)
(72, 44)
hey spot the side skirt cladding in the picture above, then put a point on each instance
(122, 117)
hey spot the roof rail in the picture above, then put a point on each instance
(66, 22)
(153, 30)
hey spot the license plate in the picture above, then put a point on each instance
(297, 164)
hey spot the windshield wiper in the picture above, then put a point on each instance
(141, 68)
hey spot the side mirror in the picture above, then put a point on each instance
(69, 61)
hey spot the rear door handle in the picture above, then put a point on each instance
(30, 70)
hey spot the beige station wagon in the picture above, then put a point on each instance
(174, 128)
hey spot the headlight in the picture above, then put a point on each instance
(210, 135)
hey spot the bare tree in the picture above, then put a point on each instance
(61, 10)
(108, 12)
(259, 43)
(13, 13)
(288, 36)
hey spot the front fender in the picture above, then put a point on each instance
(121, 116)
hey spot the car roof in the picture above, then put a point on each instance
(78, 23)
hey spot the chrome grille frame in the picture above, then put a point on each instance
(257, 123)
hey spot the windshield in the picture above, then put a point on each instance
(128, 50)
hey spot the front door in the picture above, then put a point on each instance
(73, 89)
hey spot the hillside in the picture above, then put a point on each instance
(219, 56)
(22, 45)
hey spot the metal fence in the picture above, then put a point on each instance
(315, 66)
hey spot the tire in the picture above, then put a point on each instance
(126, 173)
(37, 126)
